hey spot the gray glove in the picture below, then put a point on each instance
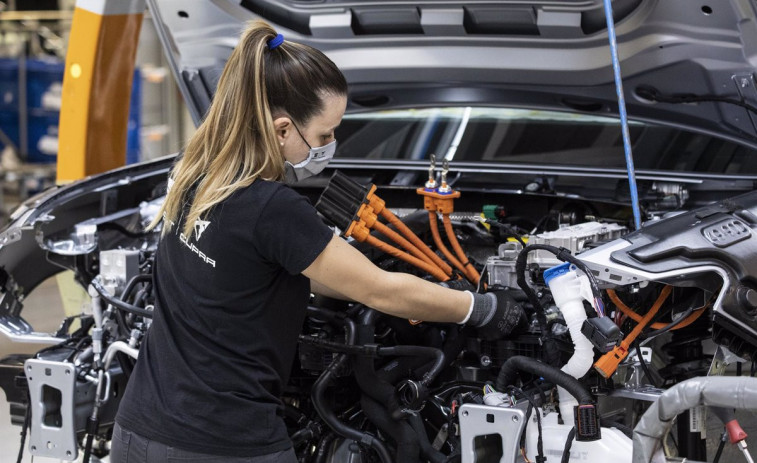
(495, 314)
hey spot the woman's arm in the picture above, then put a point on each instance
(318, 288)
(344, 270)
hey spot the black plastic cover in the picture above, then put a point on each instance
(722, 235)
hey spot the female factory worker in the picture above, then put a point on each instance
(239, 254)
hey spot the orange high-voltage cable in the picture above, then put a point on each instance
(434, 225)
(400, 225)
(398, 253)
(608, 363)
(397, 238)
(367, 214)
(622, 307)
(360, 232)
(471, 271)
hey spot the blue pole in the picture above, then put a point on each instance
(623, 116)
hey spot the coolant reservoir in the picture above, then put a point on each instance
(614, 446)
(569, 290)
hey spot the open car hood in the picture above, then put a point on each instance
(537, 54)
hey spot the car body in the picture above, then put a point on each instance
(519, 98)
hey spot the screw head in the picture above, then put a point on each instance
(515, 418)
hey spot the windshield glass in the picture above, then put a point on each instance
(534, 137)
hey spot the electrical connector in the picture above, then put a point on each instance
(494, 212)
(735, 433)
(587, 423)
(608, 363)
(603, 333)
(444, 188)
(431, 183)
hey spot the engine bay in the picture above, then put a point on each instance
(614, 318)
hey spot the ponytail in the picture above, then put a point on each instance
(236, 143)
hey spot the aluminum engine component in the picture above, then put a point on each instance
(117, 267)
(573, 238)
(501, 268)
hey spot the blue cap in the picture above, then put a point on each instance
(556, 271)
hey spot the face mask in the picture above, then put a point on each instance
(314, 164)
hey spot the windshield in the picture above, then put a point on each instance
(534, 137)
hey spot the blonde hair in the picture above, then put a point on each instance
(236, 143)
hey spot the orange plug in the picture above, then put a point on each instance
(608, 363)
(358, 230)
(376, 203)
(433, 201)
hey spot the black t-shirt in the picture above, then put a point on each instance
(230, 303)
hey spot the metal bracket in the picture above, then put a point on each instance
(721, 359)
(51, 394)
(477, 421)
(745, 85)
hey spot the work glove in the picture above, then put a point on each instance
(495, 314)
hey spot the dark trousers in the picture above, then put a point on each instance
(129, 447)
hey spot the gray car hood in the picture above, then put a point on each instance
(539, 54)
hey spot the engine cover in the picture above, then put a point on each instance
(713, 248)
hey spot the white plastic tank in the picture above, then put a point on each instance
(614, 447)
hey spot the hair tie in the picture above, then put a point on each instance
(275, 42)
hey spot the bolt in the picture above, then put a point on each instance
(465, 412)
(515, 418)
(485, 360)
(744, 82)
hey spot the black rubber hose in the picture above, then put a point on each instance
(418, 351)
(135, 280)
(509, 372)
(375, 351)
(365, 371)
(118, 303)
(427, 450)
(323, 448)
(319, 402)
(301, 436)
(401, 368)
(549, 346)
(141, 278)
(520, 271)
(328, 416)
(406, 440)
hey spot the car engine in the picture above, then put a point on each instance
(614, 319)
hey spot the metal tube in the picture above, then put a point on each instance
(118, 346)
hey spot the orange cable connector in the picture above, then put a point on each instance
(608, 363)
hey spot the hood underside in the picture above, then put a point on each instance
(539, 54)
